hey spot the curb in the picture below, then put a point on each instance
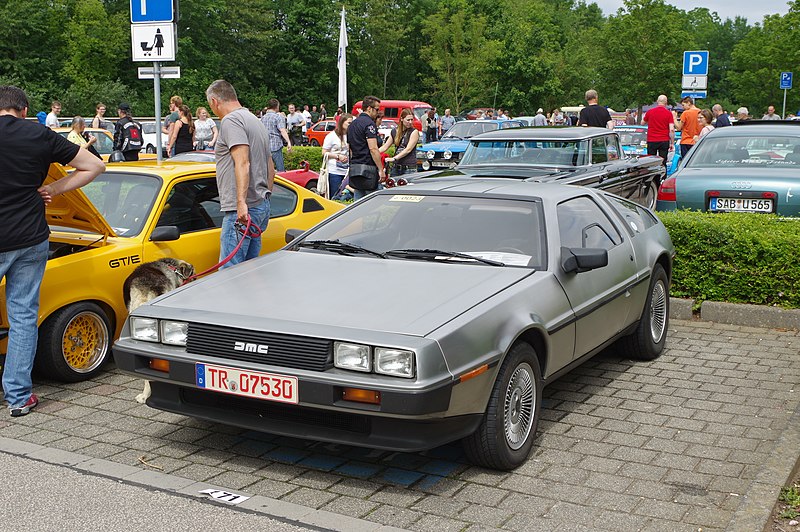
(736, 314)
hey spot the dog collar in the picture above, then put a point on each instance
(177, 272)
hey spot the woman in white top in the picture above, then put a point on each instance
(205, 130)
(336, 152)
(704, 118)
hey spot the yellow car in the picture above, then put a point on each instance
(131, 214)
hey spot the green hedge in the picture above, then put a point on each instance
(312, 154)
(735, 257)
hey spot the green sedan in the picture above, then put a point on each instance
(751, 167)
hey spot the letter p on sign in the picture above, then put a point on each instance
(695, 63)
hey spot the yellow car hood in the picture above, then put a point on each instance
(73, 209)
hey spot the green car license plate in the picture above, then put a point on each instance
(740, 204)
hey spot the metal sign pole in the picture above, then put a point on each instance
(783, 115)
(157, 90)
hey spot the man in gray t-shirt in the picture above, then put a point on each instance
(245, 173)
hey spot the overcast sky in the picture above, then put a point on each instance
(752, 10)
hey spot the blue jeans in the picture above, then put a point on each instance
(277, 158)
(23, 270)
(334, 182)
(230, 235)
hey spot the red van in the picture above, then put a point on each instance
(392, 108)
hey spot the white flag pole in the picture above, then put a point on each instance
(342, 63)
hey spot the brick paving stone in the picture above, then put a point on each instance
(610, 520)
(442, 506)
(632, 454)
(199, 472)
(356, 488)
(600, 464)
(280, 471)
(535, 524)
(41, 437)
(71, 443)
(643, 471)
(154, 462)
(569, 475)
(102, 450)
(399, 497)
(393, 516)
(491, 516)
(665, 445)
(351, 506)
(243, 464)
(432, 522)
(605, 481)
(234, 480)
(176, 449)
(661, 509)
(649, 489)
(481, 494)
(274, 489)
(316, 480)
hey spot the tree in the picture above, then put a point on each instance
(643, 53)
(760, 57)
(459, 53)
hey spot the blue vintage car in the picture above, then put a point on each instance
(446, 153)
(751, 167)
(634, 142)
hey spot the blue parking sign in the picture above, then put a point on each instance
(786, 80)
(152, 11)
(695, 63)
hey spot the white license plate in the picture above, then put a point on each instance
(443, 164)
(741, 204)
(253, 384)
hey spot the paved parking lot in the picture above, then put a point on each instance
(703, 437)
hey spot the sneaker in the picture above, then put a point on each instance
(25, 409)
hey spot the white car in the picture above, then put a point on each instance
(149, 138)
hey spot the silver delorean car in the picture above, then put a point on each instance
(415, 317)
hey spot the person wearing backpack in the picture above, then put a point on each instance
(127, 133)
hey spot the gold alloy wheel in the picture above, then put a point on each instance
(85, 342)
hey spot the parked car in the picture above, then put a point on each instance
(585, 156)
(447, 151)
(105, 140)
(391, 109)
(104, 144)
(750, 167)
(316, 135)
(634, 142)
(490, 290)
(131, 214)
(149, 138)
(303, 176)
(472, 114)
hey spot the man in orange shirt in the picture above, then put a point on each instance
(688, 125)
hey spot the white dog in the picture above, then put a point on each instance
(148, 281)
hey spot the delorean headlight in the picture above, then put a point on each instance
(355, 357)
(395, 362)
(145, 329)
(174, 332)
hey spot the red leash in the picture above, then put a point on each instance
(248, 230)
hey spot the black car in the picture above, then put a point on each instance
(587, 156)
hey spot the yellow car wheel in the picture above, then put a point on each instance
(74, 342)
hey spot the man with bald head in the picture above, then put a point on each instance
(721, 115)
(660, 129)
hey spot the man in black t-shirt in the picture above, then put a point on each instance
(362, 135)
(27, 150)
(594, 115)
